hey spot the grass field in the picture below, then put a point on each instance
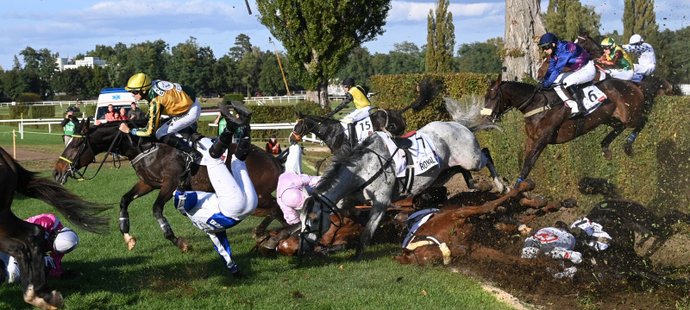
(103, 274)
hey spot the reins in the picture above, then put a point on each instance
(79, 175)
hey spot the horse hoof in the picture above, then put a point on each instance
(628, 150)
(607, 154)
(183, 245)
(130, 241)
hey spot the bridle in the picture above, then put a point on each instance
(74, 172)
(333, 208)
(307, 129)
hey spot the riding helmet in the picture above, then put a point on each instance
(66, 241)
(349, 82)
(139, 82)
(609, 43)
(547, 39)
(636, 39)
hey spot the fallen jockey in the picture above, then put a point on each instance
(234, 198)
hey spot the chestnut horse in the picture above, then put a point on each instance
(546, 117)
(163, 169)
(26, 242)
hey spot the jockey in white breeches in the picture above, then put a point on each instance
(234, 198)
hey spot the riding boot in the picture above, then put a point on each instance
(575, 91)
(224, 140)
(352, 129)
(177, 142)
(234, 122)
(245, 143)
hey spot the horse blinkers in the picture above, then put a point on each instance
(492, 110)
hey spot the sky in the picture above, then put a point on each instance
(77, 26)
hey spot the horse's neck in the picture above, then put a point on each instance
(329, 132)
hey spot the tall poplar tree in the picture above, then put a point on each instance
(566, 18)
(440, 39)
(639, 17)
(320, 34)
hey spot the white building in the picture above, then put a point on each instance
(69, 63)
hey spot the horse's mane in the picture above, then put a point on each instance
(321, 119)
(345, 156)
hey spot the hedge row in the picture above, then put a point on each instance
(658, 174)
(34, 111)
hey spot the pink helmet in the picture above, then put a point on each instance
(291, 198)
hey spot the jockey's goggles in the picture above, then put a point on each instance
(545, 46)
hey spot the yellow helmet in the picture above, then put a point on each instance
(608, 43)
(139, 81)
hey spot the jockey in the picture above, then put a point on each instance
(615, 60)
(177, 101)
(234, 198)
(564, 54)
(63, 240)
(555, 242)
(357, 95)
(644, 53)
(293, 186)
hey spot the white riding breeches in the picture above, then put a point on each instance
(644, 69)
(583, 75)
(180, 122)
(621, 74)
(356, 115)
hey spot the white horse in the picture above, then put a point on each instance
(366, 173)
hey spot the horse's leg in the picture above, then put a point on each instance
(628, 147)
(617, 129)
(28, 249)
(375, 215)
(139, 189)
(165, 193)
(532, 151)
(492, 170)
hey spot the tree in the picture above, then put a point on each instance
(319, 35)
(673, 59)
(567, 18)
(39, 67)
(192, 65)
(481, 57)
(358, 67)
(440, 39)
(639, 17)
(523, 25)
(406, 57)
(270, 77)
(242, 46)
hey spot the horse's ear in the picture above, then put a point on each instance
(299, 114)
(85, 123)
(499, 78)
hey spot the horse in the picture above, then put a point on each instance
(546, 117)
(366, 173)
(332, 133)
(163, 169)
(26, 242)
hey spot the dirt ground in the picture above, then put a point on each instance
(536, 288)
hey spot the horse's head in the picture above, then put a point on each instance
(82, 149)
(590, 44)
(494, 103)
(299, 130)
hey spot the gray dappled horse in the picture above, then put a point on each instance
(366, 173)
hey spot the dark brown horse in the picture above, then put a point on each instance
(163, 169)
(546, 117)
(26, 242)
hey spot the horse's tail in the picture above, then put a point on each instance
(77, 211)
(468, 114)
(428, 89)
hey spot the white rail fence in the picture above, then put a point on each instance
(21, 123)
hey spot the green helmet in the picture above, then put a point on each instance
(609, 43)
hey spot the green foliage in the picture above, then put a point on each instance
(481, 57)
(19, 111)
(42, 111)
(673, 55)
(189, 65)
(358, 67)
(319, 34)
(232, 97)
(566, 18)
(398, 91)
(440, 39)
(29, 97)
(90, 110)
(270, 77)
(639, 17)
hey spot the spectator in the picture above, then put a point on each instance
(110, 115)
(272, 146)
(123, 114)
(135, 112)
(69, 124)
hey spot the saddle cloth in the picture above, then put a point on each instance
(422, 152)
(593, 98)
(363, 128)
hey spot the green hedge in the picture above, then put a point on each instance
(398, 91)
(42, 111)
(658, 175)
(19, 111)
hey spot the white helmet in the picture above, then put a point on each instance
(65, 241)
(635, 39)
